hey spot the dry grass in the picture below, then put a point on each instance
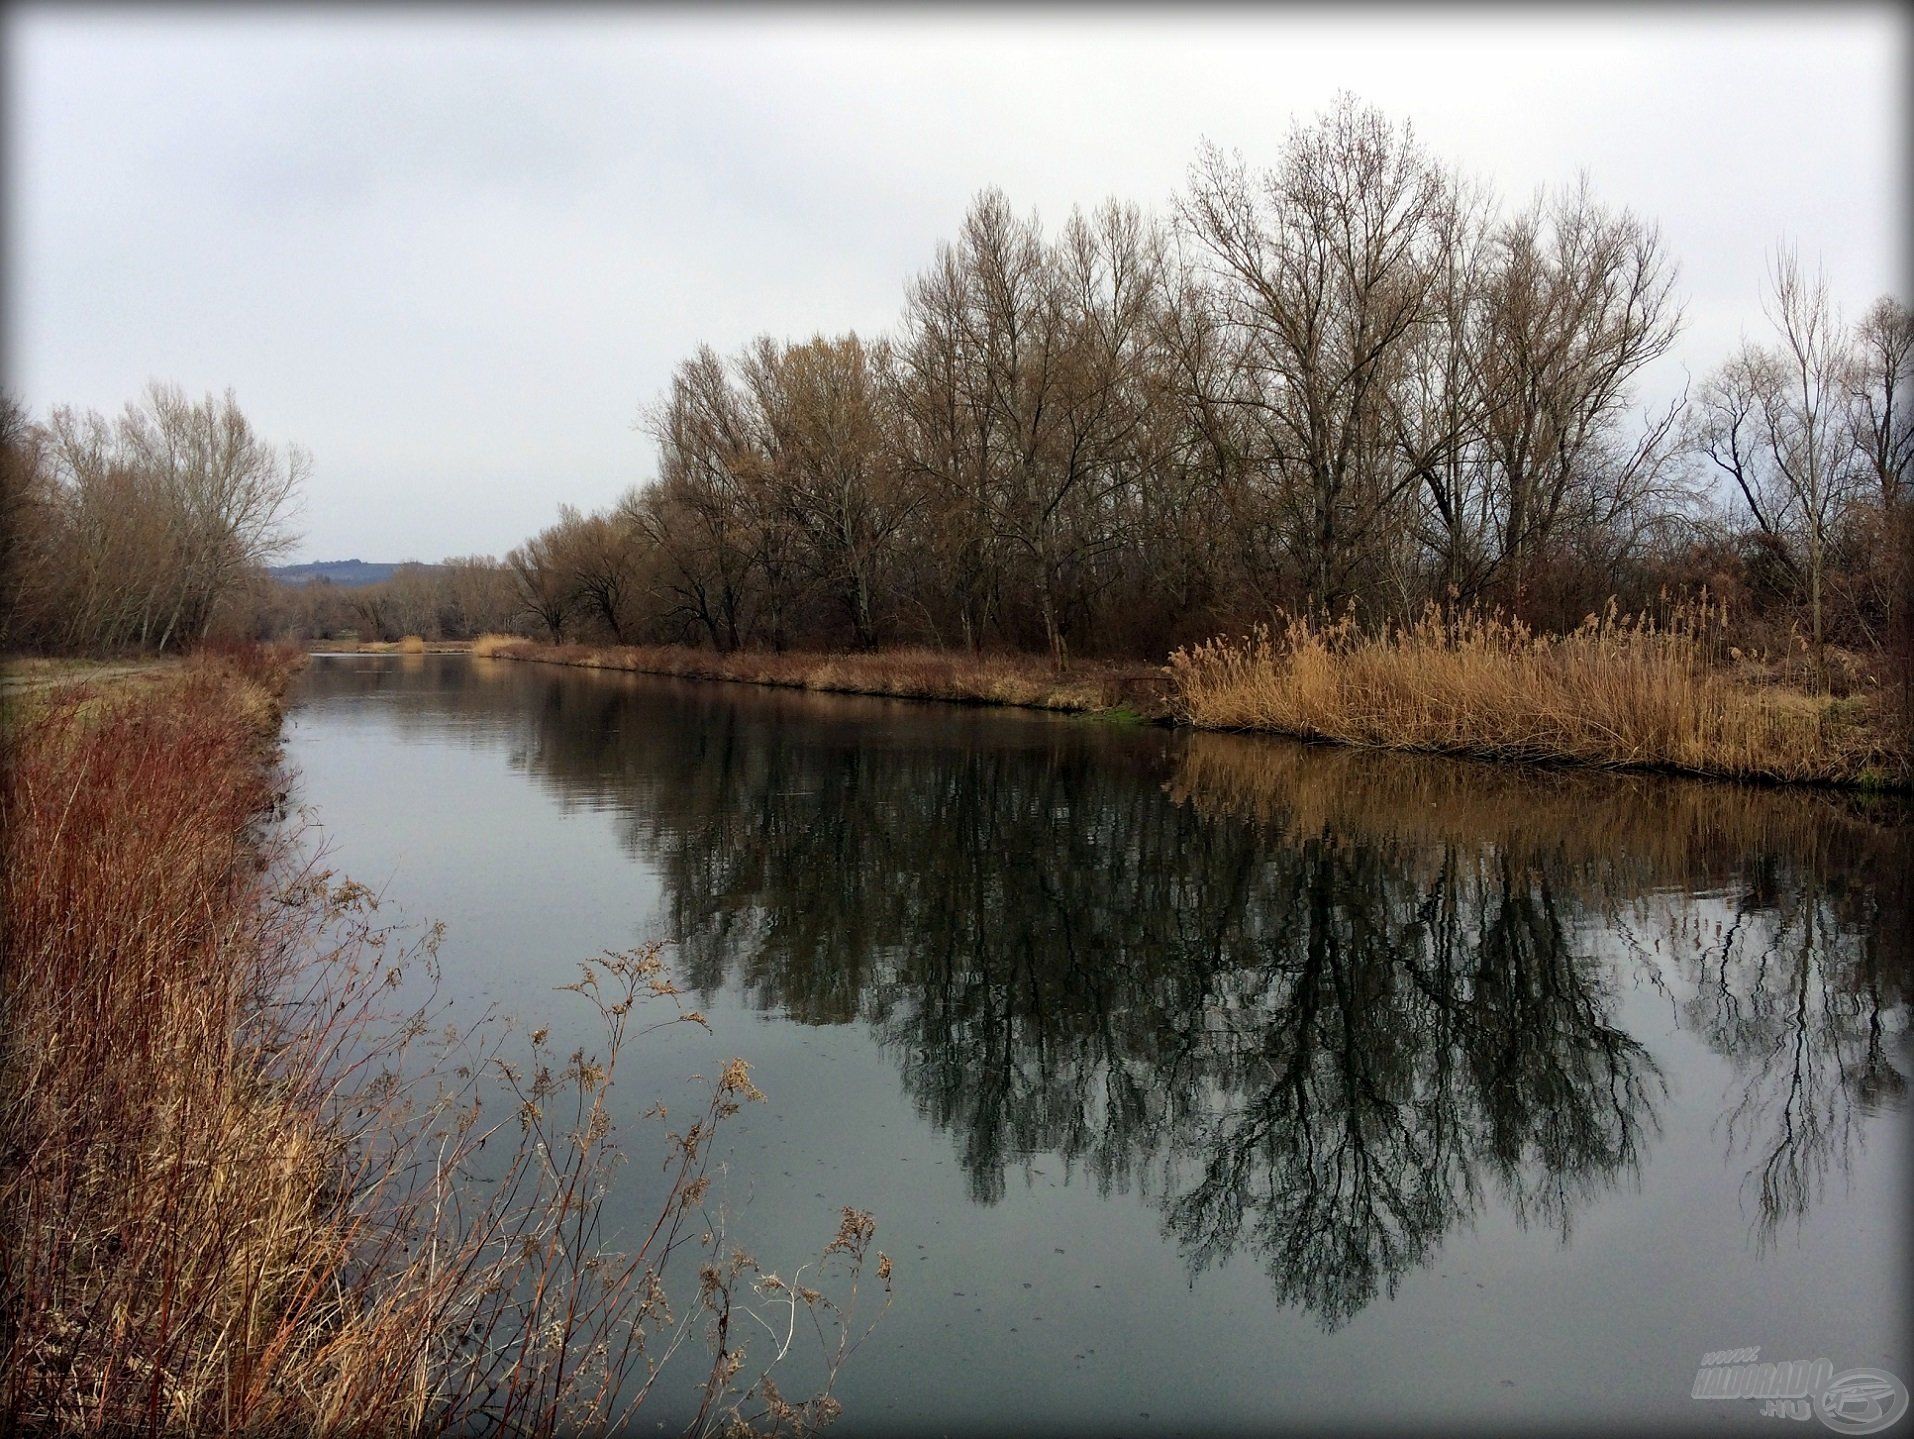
(488, 646)
(1621, 692)
(250, 677)
(996, 679)
(33, 672)
(410, 645)
(29, 684)
(240, 1193)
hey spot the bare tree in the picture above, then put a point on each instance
(834, 478)
(1727, 426)
(707, 516)
(155, 521)
(981, 369)
(1329, 275)
(1442, 414)
(479, 595)
(27, 525)
(599, 551)
(1803, 427)
(1579, 301)
(1881, 397)
(226, 494)
(547, 590)
(1812, 449)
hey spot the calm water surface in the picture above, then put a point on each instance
(1199, 1084)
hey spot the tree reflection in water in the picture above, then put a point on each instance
(1317, 1005)
(1804, 989)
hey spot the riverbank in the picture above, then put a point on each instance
(243, 1189)
(1621, 692)
(162, 1200)
(1024, 681)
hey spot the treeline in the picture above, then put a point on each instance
(456, 598)
(141, 532)
(1349, 377)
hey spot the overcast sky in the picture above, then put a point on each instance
(453, 253)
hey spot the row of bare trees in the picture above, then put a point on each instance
(139, 532)
(1350, 376)
(456, 598)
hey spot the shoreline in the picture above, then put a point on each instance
(1130, 693)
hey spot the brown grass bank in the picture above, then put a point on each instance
(1619, 692)
(1025, 681)
(40, 674)
(239, 1180)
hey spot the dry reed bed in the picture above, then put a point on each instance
(1620, 692)
(926, 674)
(240, 1189)
(147, 1168)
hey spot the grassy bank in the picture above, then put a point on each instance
(1618, 692)
(959, 677)
(242, 1188)
(149, 1163)
(29, 683)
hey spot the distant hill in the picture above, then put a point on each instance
(339, 572)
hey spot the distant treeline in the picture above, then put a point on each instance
(459, 598)
(1351, 377)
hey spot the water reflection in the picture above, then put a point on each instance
(1803, 989)
(1318, 1007)
(1784, 919)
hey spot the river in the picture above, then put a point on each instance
(1198, 1083)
